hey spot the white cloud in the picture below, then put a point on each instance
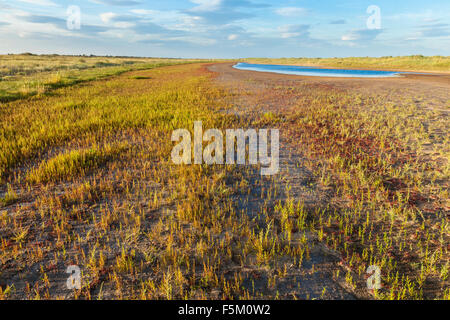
(232, 37)
(124, 3)
(40, 2)
(291, 11)
(294, 31)
(206, 5)
(361, 35)
(434, 30)
(170, 18)
(412, 16)
(108, 16)
(124, 25)
(349, 37)
(222, 12)
(22, 24)
(145, 12)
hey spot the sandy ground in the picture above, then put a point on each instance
(252, 94)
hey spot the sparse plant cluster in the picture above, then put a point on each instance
(388, 166)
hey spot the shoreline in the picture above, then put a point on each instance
(427, 77)
(351, 68)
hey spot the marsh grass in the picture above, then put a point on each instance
(73, 163)
(23, 76)
(88, 168)
(10, 196)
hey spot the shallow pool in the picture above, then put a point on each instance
(315, 71)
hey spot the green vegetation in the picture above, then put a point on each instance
(10, 197)
(75, 162)
(87, 180)
(406, 63)
(116, 211)
(23, 76)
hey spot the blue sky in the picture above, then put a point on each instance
(226, 28)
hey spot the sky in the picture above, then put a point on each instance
(226, 28)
